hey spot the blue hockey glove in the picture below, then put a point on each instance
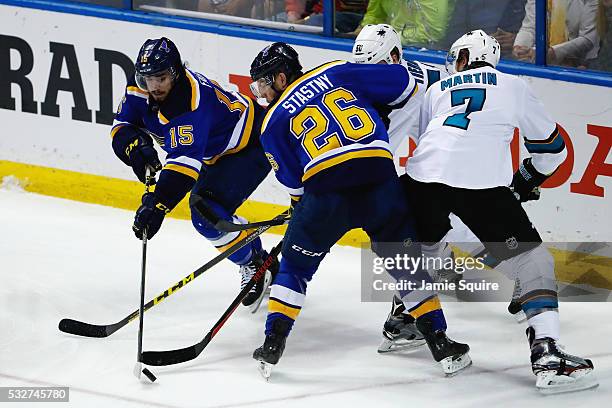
(526, 182)
(149, 215)
(142, 154)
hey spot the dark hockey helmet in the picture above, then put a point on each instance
(155, 57)
(276, 57)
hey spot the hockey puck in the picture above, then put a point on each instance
(149, 374)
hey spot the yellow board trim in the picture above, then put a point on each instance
(183, 170)
(360, 154)
(277, 307)
(570, 266)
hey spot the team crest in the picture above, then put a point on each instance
(512, 243)
(164, 46)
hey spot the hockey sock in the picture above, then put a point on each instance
(287, 294)
(430, 309)
(546, 324)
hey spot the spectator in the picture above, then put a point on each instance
(502, 21)
(348, 14)
(238, 8)
(572, 33)
(604, 29)
(418, 22)
(285, 11)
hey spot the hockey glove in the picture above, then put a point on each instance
(142, 154)
(149, 215)
(526, 182)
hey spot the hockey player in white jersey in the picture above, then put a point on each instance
(462, 163)
(380, 44)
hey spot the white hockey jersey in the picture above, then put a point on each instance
(404, 122)
(467, 123)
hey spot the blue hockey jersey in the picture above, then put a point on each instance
(323, 133)
(197, 123)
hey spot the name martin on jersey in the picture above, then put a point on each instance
(306, 92)
(486, 78)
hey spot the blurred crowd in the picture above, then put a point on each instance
(579, 31)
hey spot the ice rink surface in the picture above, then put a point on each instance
(60, 258)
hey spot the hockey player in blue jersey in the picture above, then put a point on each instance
(211, 137)
(329, 148)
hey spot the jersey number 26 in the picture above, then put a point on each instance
(312, 125)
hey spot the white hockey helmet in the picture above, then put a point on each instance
(480, 46)
(375, 43)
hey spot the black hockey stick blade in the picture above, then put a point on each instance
(222, 225)
(79, 328)
(170, 357)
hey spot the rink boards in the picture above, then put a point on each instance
(58, 100)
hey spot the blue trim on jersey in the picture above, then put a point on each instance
(556, 146)
(305, 39)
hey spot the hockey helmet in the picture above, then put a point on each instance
(375, 43)
(480, 47)
(155, 57)
(275, 58)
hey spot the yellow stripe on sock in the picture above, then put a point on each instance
(426, 307)
(277, 307)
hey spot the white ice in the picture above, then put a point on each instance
(60, 258)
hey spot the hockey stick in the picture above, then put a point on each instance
(93, 330)
(197, 202)
(169, 357)
(138, 368)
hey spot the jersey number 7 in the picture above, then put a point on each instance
(476, 98)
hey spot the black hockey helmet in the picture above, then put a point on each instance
(276, 57)
(155, 57)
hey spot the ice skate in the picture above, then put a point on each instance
(271, 351)
(400, 331)
(452, 356)
(255, 296)
(555, 370)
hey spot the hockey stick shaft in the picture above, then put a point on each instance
(143, 272)
(169, 357)
(220, 224)
(142, 294)
(92, 330)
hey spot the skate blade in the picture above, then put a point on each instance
(253, 307)
(520, 317)
(389, 346)
(265, 369)
(549, 383)
(455, 364)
